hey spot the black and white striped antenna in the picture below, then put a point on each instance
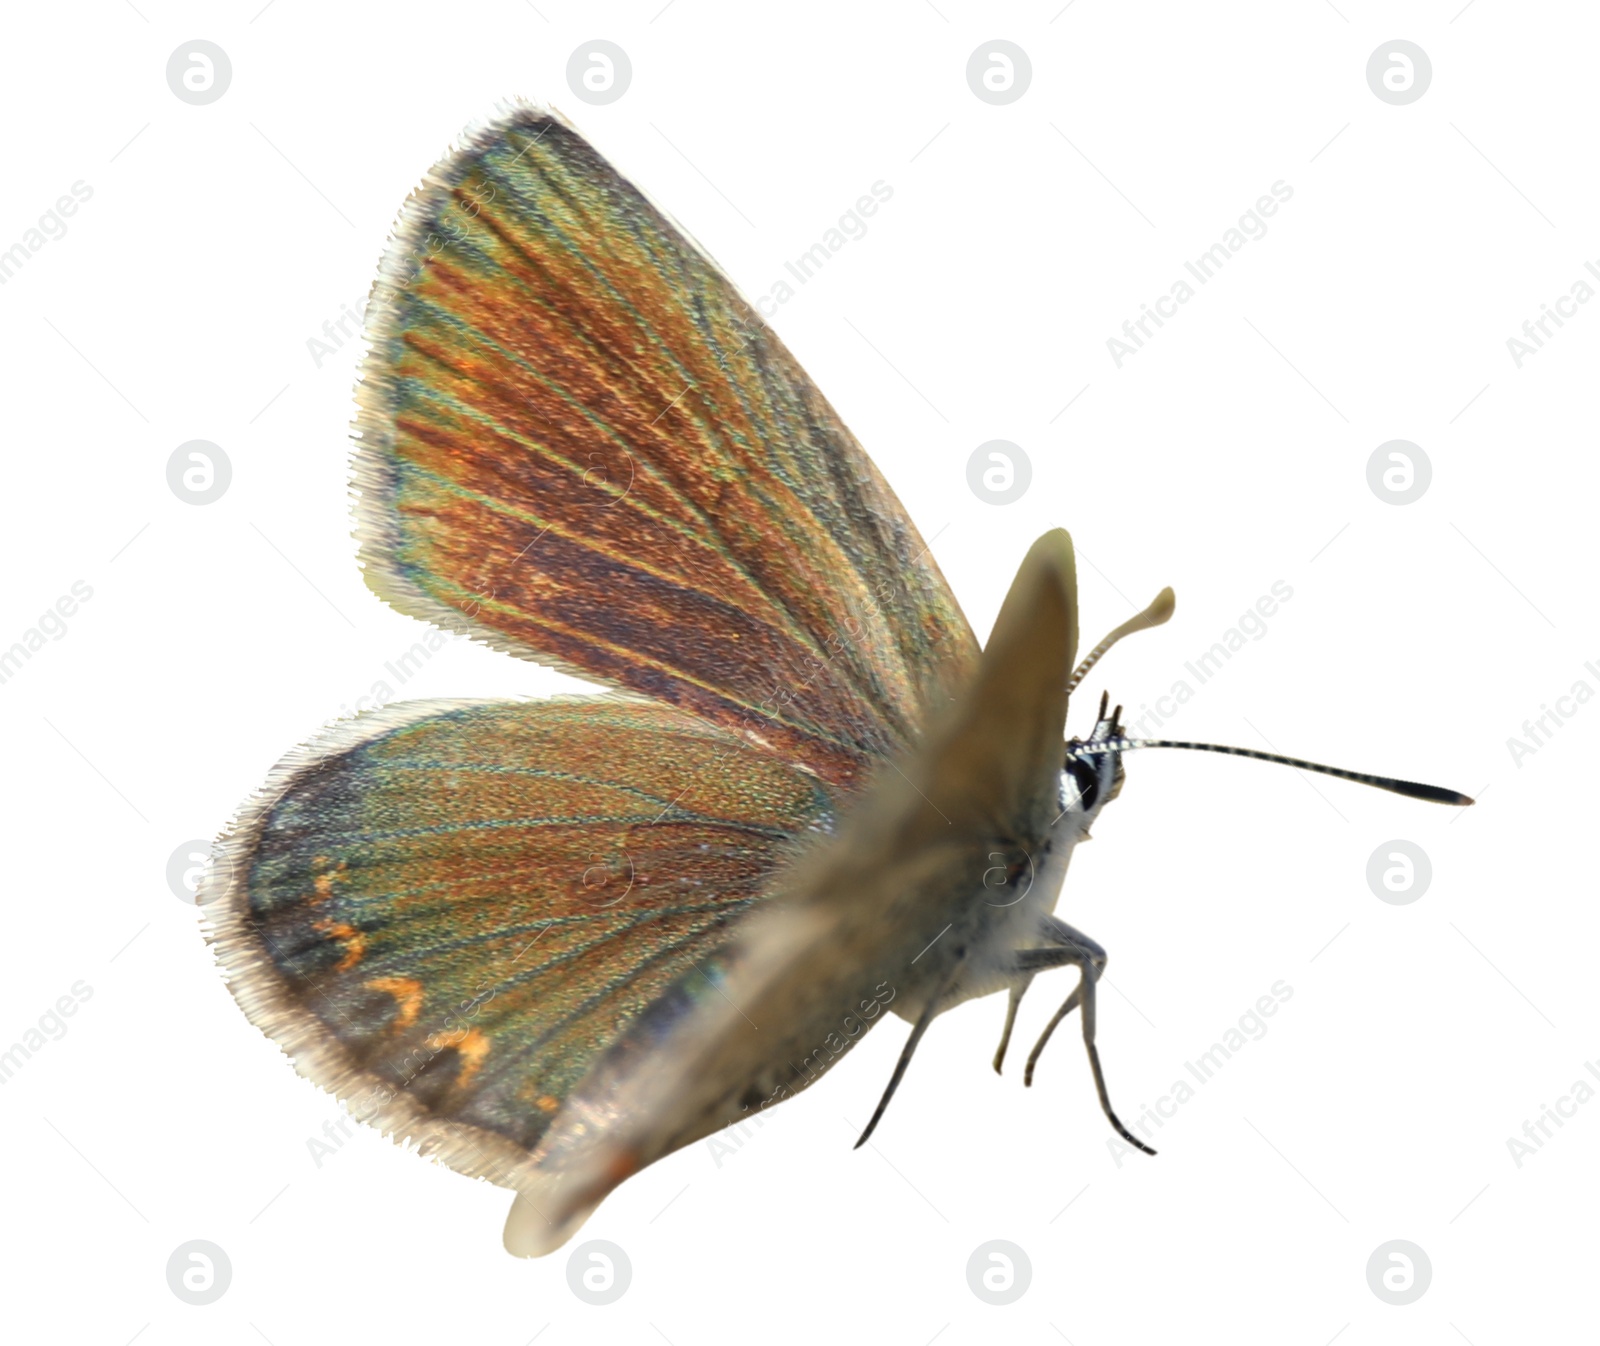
(1158, 612)
(1435, 794)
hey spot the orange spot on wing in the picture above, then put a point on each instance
(323, 881)
(470, 1044)
(546, 1104)
(408, 997)
(354, 942)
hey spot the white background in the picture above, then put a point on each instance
(1228, 454)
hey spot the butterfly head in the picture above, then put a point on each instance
(1091, 772)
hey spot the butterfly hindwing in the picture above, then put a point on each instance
(579, 442)
(449, 911)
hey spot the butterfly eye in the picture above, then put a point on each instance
(1080, 784)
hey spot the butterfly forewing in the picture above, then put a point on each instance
(580, 442)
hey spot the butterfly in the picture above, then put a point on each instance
(550, 942)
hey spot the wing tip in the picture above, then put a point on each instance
(1049, 572)
(532, 1231)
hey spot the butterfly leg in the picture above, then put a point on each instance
(1017, 992)
(921, 1027)
(1090, 960)
(1066, 938)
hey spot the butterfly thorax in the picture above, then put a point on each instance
(1018, 889)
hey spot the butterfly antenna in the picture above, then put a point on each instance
(1435, 794)
(1158, 612)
